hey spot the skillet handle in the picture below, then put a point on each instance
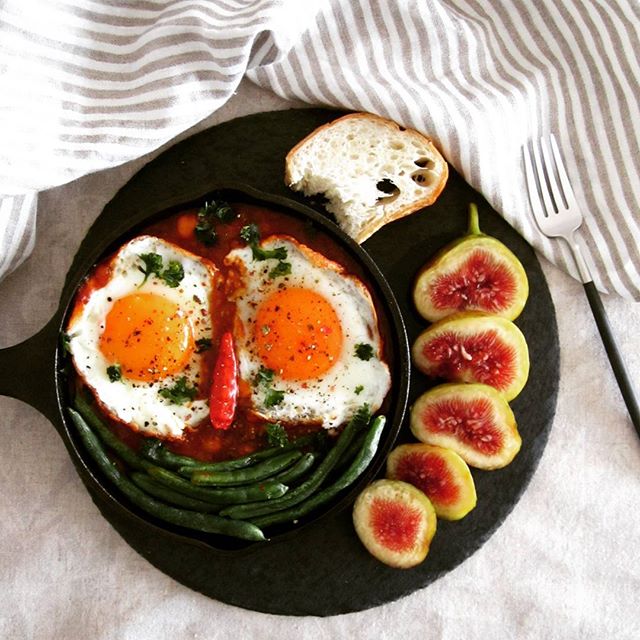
(28, 370)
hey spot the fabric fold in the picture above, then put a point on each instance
(90, 85)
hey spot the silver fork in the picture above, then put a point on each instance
(557, 215)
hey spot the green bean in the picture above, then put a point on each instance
(297, 470)
(261, 471)
(351, 451)
(155, 451)
(355, 470)
(266, 490)
(309, 486)
(157, 490)
(124, 452)
(188, 519)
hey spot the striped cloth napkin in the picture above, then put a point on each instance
(89, 84)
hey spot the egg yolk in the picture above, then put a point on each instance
(148, 336)
(298, 334)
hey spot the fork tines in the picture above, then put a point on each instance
(548, 184)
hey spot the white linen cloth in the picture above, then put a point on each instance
(563, 566)
(90, 84)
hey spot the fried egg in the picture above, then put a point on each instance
(134, 339)
(309, 348)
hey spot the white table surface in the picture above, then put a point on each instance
(565, 564)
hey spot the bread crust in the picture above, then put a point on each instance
(370, 227)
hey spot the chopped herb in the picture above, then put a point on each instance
(180, 392)
(152, 265)
(276, 435)
(281, 269)
(65, 341)
(362, 415)
(250, 233)
(205, 233)
(266, 329)
(221, 210)
(359, 389)
(203, 344)
(173, 274)
(114, 372)
(273, 397)
(264, 376)
(364, 351)
(208, 216)
(279, 253)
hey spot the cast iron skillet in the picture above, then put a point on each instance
(321, 569)
(35, 370)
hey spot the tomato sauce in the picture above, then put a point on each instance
(247, 433)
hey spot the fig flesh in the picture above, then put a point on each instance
(473, 420)
(395, 522)
(474, 347)
(441, 474)
(474, 273)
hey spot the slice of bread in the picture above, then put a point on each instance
(370, 170)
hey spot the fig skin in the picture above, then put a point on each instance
(404, 496)
(498, 438)
(413, 463)
(456, 366)
(450, 260)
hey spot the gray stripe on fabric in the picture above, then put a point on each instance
(119, 19)
(113, 80)
(119, 55)
(85, 76)
(333, 47)
(599, 191)
(17, 229)
(548, 60)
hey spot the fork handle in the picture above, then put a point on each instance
(617, 363)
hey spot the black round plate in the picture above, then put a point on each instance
(323, 569)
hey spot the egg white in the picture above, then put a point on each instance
(334, 397)
(138, 403)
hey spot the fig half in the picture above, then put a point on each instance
(473, 420)
(474, 347)
(474, 273)
(395, 522)
(441, 474)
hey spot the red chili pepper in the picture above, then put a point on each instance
(224, 387)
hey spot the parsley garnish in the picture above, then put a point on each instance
(180, 392)
(273, 397)
(205, 233)
(276, 435)
(279, 253)
(203, 344)
(250, 233)
(364, 351)
(281, 269)
(212, 213)
(359, 389)
(152, 265)
(264, 378)
(361, 416)
(114, 372)
(172, 275)
(65, 341)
